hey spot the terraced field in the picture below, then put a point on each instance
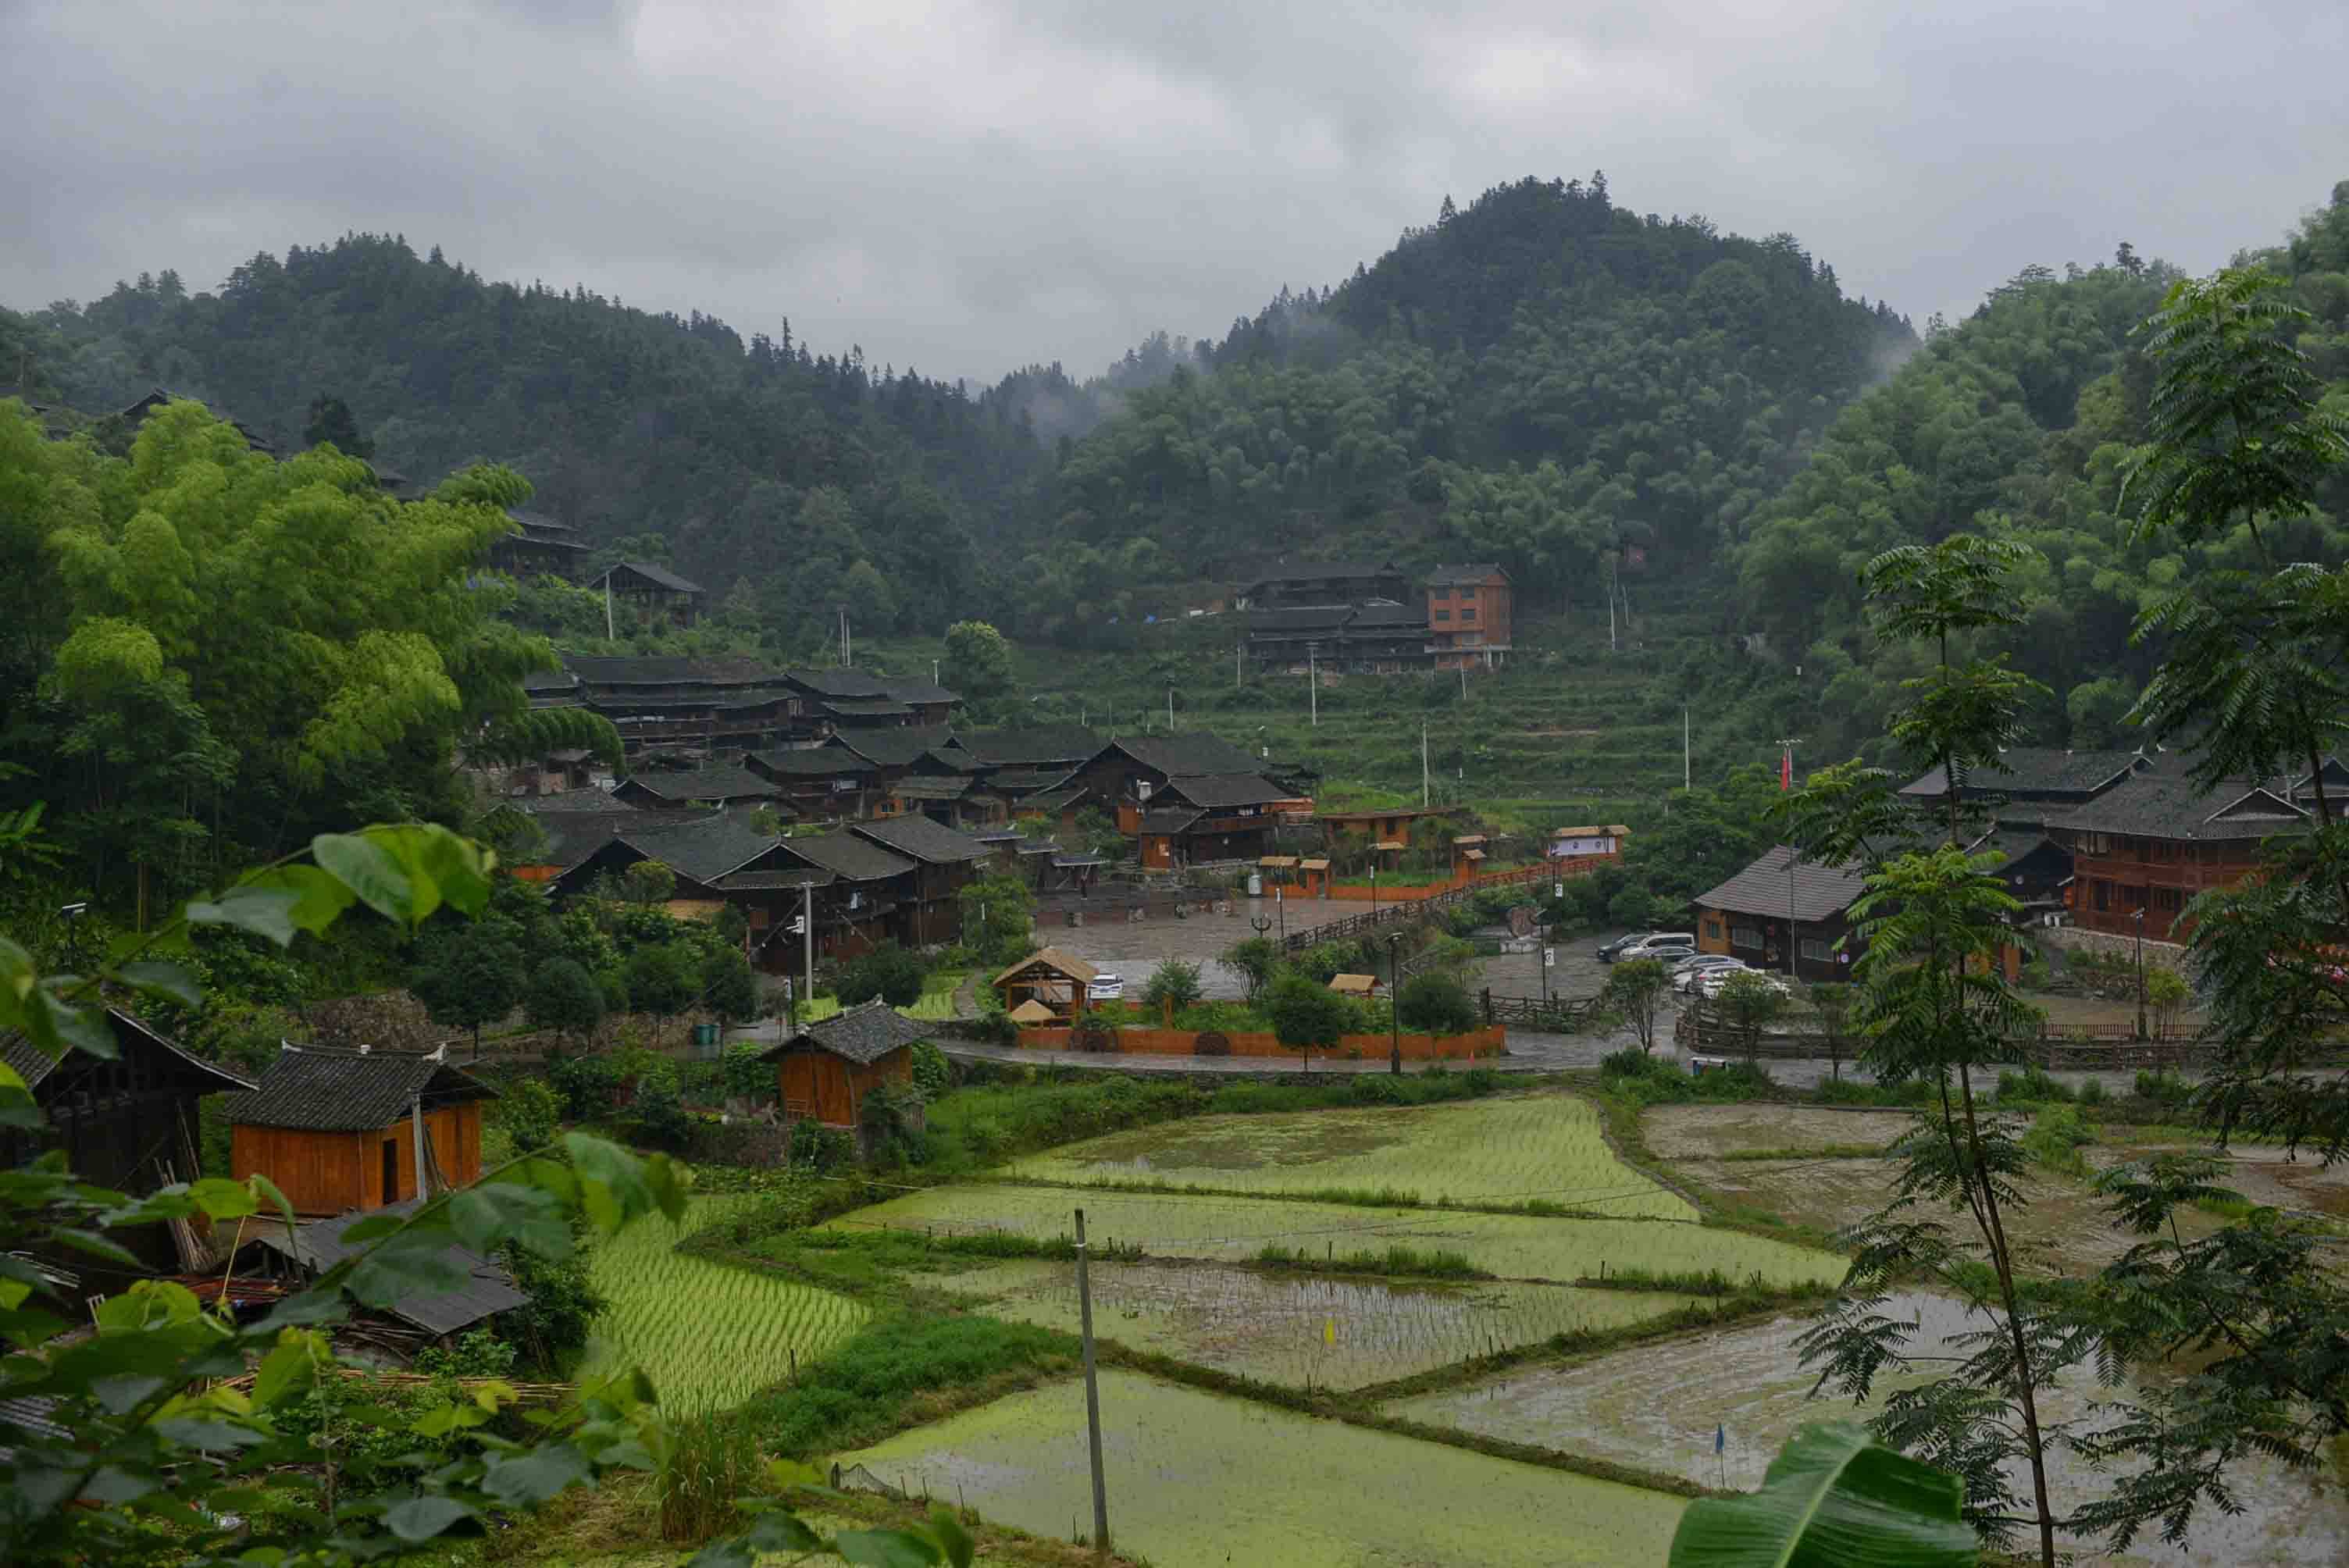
(1500, 1152)
(1194, 1479)
(1513, 1246)
(708, 1335)
(1317, 1333)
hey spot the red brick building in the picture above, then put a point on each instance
(1468, 616)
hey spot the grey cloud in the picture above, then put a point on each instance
(967, 187)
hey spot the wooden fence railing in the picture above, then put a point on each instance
(1553, 1014)
(2068, 1047)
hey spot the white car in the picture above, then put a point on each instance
(1710, 985)
(1687, 974)
(1105, 988)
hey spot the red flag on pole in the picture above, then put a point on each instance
(1786, 769)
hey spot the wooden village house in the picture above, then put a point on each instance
(130, 1123)
(945, 862)
(340, 1129)
(655, 592)
(1783, 897)
(417, 1316)
(2142, 851)
(827, 1068)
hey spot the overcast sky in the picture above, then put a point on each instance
(967, 187)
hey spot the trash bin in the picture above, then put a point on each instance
(1256, 885)
(705, 1036)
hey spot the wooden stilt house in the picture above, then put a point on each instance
(827, 1068)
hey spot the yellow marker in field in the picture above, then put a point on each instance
(1330, 1331)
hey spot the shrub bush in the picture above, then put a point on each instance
(2033, 1085)
(2166, 1090)
(589, 1086)
(531, 1112)
(2092, 1092)
(658, 1110)
(892, 973)
(933, 1074)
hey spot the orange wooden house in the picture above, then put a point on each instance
(338, 1129)
(827, 1068)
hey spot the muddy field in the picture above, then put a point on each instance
(1513, 1246)
(1497, 1152)
(1659, 1405)
(1307, 1332)
(1195, 1479)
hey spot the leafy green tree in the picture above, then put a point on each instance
(563, 998)
(1436, 1003)
(892, 973)
(729, 988)
(648, 882)
(1750, 1001)
(1305, 1015)
(1634, 988)
(330, 421)
(658, 1110)
(469, 978)
(1174, 984)
(662, 981)
(531, 1114)
(1254, 959)
(981, 659)
(998, 919)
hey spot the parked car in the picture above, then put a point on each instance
(1689, 972)
(1649, 944)
(1709, 985)
(1668, 955)
(1105, 988)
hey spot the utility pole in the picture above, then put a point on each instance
(1395, 1002)
(1610, 604)
(1313, 680)
(1092, 1397)
(416, 1123)
(609, 634)
(1423, 764)
(1684, 747)
(1235, 666)
(807, 941)
(1170, 707)
(2141, 972)
(1788, 781)
(1280, 910)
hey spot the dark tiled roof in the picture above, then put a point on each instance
(1169, 819)
(33, 1064)
(862, 1034)
(1474, 571)
(726, 670)
(791, 876)
(703, 784)
(701, 848)
(659, 576)
(810, 761)
(322, 1090)
(1317, 618)
(1188, 755)
(921, 692)
(1028, 780)
(1052, 799)
(1818, 890)
(532, 521)
(539, 681)
(2157, 807)
(922, 787)
(1031, 745)
(2031, 770)
(1218, 789)
(488, 1289)
(894, 747)
(923, 838)
(589, 800)
(573, 836)
(848, 683)
(955, 759)
(851, 858)
(1387, 617)
(867, 707)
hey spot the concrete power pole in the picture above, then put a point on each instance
(1092, 1396)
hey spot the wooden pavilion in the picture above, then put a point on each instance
(1050, 977)
(826, 1070)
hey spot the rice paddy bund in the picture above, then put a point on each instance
(1199, 1479)
(1497, 1153)
(1512, 1246)
(708, 1335)
(1305, 1333)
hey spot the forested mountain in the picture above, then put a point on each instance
(2018, 424)
(1533, 378)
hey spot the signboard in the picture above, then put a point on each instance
(1549, 957)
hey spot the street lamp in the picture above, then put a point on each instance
(1394, 1001)
(1374, 890)
(1280, 908)
(2139, 918)
(1793, 977)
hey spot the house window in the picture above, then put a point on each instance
(1712, 929)
(1444, 614)
(1467, 612)
(2103, 891)
(1819, 950)
(2170, 899)
(2094, 844)
(2133, 897)
(1744, 936)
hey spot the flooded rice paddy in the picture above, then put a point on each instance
(1658, 1406)
(1317, 1333)
(1513, 1246)
(1196, 1479)
(1497, 1152)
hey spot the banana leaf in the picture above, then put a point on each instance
(1835, 1498)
